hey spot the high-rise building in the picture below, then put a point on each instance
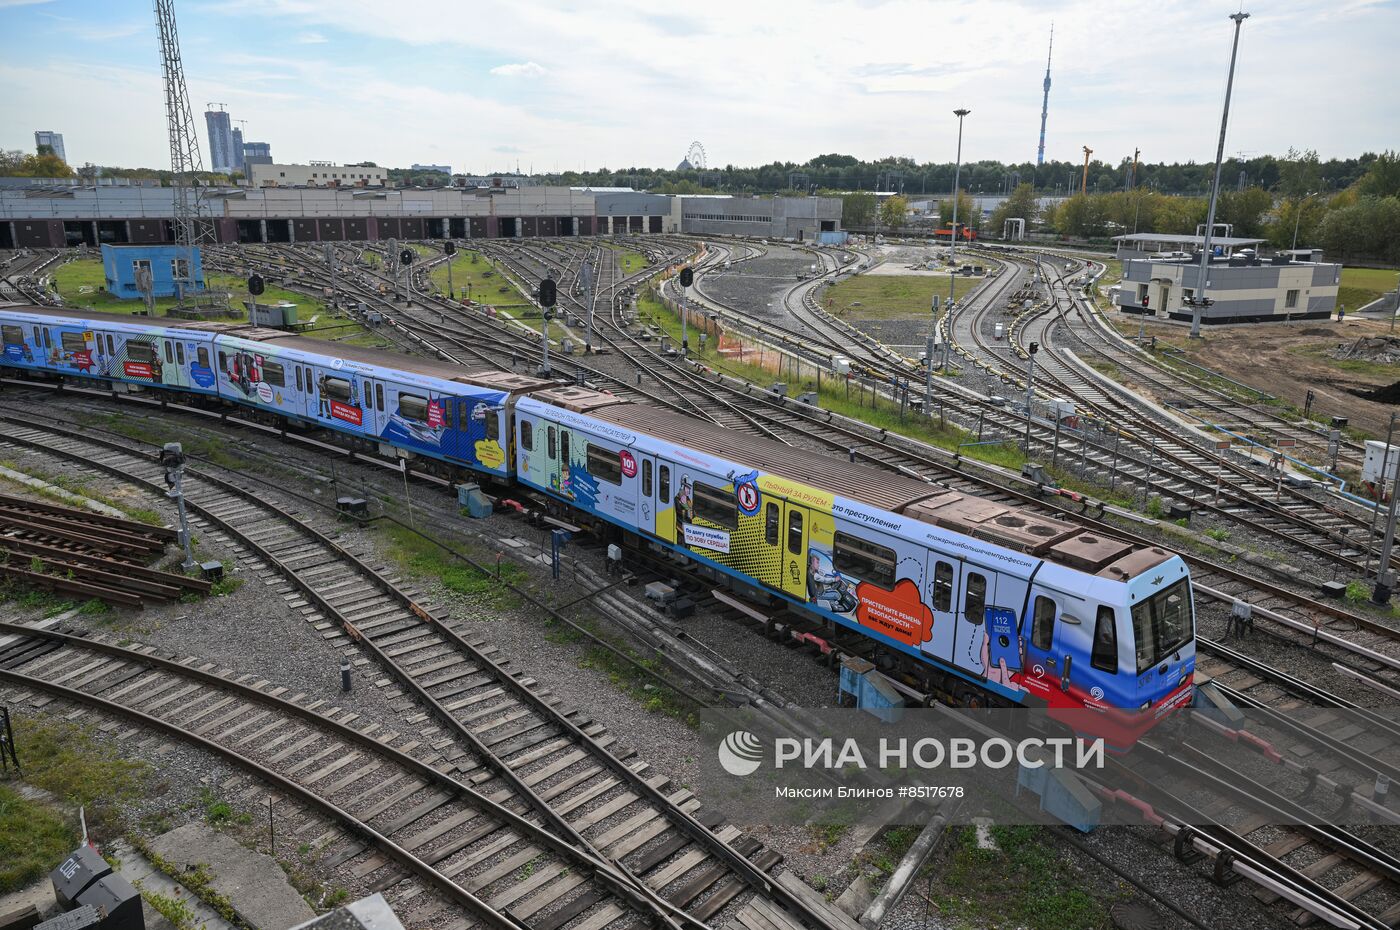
(237, 149)
(52, 139)
(255, 153)
(220, 140)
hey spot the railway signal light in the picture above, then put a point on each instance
(256, 285)
(406, 257)
(449, 248)
(1145, 302)
(549, 292)
(687, 276)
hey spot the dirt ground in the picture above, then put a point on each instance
(1288, 359)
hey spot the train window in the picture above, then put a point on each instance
(1161, 624)
(772, 519)
(169, 355)
(48, 343)
(564, 459)
(646, 478)
(38, 337)
(274, 374)
(527, 435)
(795, 532)
(604, 464)
(413, 407)
(180, 354)
(223, 360)
(379, 396)
(1105, 656)
(110, 349)
(493, 423)
(72, 342)
(140, 351)
(865, 560)
(202, 354)
(716, 506)
(336, 388)
(665, 488)
(299, 387)
(551, 440)
(1042, 622)
(975, 598)
(12, 335)
(942, 586)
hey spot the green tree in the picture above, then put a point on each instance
(1300, 174)
(1382, 179)
(967, 211)
(1245, 210)
(1021, 203)
(858, 210)
(1369, 228)
(894, 212)
(16, 164)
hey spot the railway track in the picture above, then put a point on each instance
(489, 720)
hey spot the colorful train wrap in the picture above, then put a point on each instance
(980, 602)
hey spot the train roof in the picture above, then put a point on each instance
(864, 483)
(1003, 524)
(507, 381)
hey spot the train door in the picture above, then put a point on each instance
(646, 493)
(794, 557)
(971, 600)
(1043, 671)
(665, 516)
(169, 369)
(375, 417)
(942, 574)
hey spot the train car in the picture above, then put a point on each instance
(979, 602)
(74, 343)
(431, 409)
(965, 233)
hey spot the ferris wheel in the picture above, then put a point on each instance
(696, 156)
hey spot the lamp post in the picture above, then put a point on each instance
(1199, 302)
(1298, 218)
(953, 239)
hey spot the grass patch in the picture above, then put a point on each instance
(1357, 592)
(176, 910)
(1356, 366)
(66, 760)
(220, 813)
(474, 277)
(891, 297)
(422, 558)
(1034, 887)
(1360, 286)
(83, 283)
(33, 839)
(654, 698)
(632, 262)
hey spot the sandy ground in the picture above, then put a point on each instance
(1288, 359)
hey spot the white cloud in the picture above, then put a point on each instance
(523, 69)
(311, 38)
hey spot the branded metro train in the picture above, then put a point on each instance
(979, 602)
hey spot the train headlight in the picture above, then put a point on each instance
(1146, 705)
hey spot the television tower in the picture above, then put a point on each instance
(1045, 104)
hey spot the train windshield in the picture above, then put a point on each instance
(1162, 624)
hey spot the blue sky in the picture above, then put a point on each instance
(617, 83)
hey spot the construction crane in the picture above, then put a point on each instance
(1084, 185)
(185, 164)
(1132, 174)
(214, 104)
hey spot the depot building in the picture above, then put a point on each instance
(1244, 286)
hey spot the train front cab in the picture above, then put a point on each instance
(1111, 657)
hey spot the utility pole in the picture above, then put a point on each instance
(450, 249)
(1385, 575)
(953, 239)
(1198, 302)
(588, 287)
(1033, 348)
(330, 262)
